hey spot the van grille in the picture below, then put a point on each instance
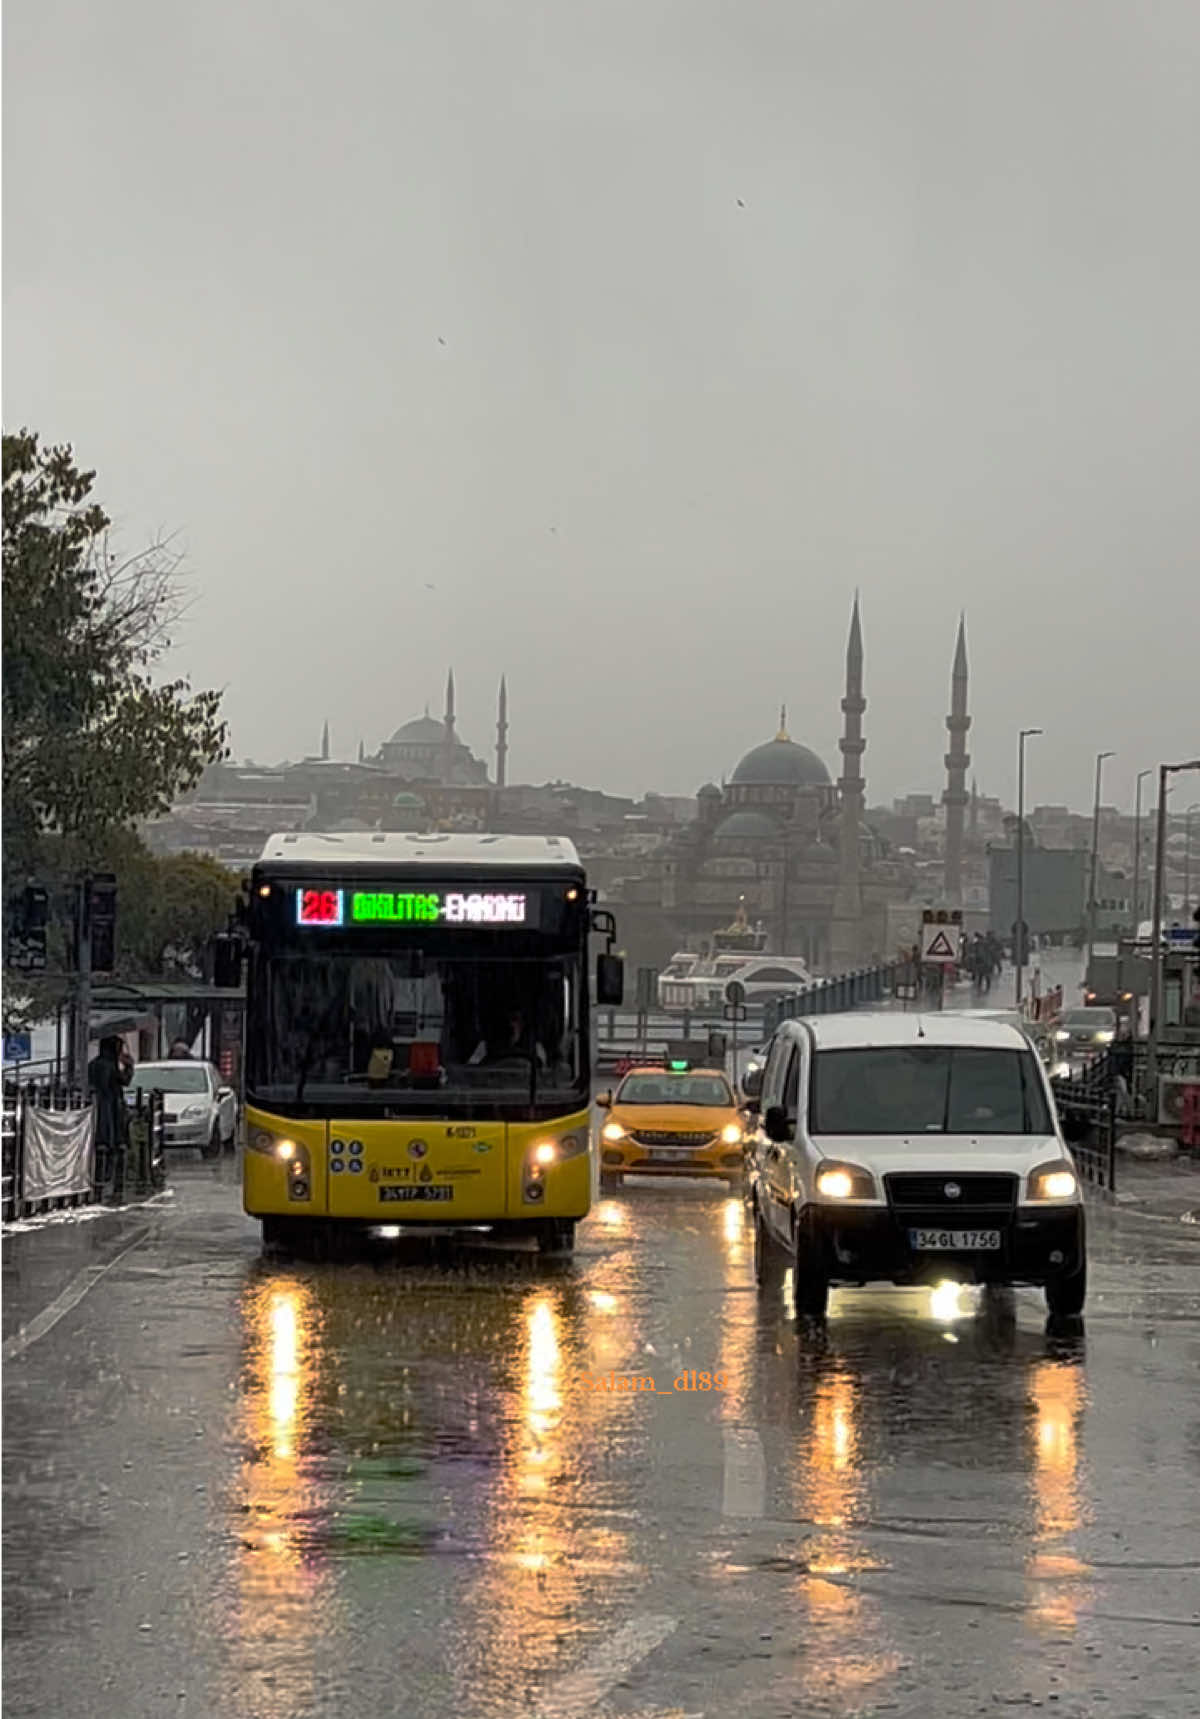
(977, 1192)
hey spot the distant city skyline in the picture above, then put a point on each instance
(620, 355)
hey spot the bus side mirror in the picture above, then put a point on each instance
(227, 962)
(610, 981)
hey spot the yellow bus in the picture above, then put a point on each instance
(418, 1043)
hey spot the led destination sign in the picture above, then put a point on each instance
(353, 907)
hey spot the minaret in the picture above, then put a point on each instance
(362, 753)
(325, 740)
(957, 758)
(448, 735)
(973, 824)
(847, 906)
(502, 735)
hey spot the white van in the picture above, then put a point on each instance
(906, 1148)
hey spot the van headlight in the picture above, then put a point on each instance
(845, 1182)
(1056, 1181)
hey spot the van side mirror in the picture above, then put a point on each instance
(750, 1106)
(610, 981)
(227, 962)
(752, 1082)
(775, 1123)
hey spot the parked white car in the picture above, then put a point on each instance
(905, 1148)
(197, 1109)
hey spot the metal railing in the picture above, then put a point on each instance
(837, 996)
(135, 1169)
(1087, 1109)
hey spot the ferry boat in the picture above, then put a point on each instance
(694, 982)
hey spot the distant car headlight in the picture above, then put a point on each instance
(1060, 1071)
(731, 1134)
(845, 1182)
(1105, 1038)
(1062, 1035)
(612, 1131)
(1053, 1182)
(190, 1112)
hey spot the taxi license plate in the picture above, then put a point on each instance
(669, 1157)
(418, 1193)
(955, 1241)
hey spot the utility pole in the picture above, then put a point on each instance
(1019, 930)
(1160, 872)
(81, 1000)
(1137, 850)
(1091, 922)
(1187, 857)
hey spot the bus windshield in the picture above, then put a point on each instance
(421, 1029)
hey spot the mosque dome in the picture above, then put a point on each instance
(781, 763)
(748, 825)
(422, 731)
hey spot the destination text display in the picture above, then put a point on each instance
(343, 908)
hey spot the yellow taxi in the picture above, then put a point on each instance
(672, 1121)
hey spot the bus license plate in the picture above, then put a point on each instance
(955, 1241)
(418, 1193)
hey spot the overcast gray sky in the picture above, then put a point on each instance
(743, 305)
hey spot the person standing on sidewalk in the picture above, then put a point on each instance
(109, 1073)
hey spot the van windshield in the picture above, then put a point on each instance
(927, 1089)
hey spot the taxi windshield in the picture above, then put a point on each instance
(710, 1090)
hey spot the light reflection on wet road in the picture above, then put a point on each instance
(406, 1482)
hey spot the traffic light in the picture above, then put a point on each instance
(102, 910)
(31, 911)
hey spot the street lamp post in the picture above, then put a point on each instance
(1091, 933)
(1160, 870)
(1019, 930)
(1187, 857)
(1137, 850)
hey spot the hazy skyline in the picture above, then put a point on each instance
(643, 334)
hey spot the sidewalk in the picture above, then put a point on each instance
(1169, 1188)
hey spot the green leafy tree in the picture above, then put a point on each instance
(92, 740)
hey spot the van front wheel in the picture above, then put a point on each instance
(810, 1283)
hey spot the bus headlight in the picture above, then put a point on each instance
(545, 1152)
(543, 1155)
(285, 1149)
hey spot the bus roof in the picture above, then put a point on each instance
(398, 848)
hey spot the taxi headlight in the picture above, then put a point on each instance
(731, 1134)
(845, 1182)
(612, 1131)
(1053, 1182)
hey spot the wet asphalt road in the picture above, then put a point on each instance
(386, 1485)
